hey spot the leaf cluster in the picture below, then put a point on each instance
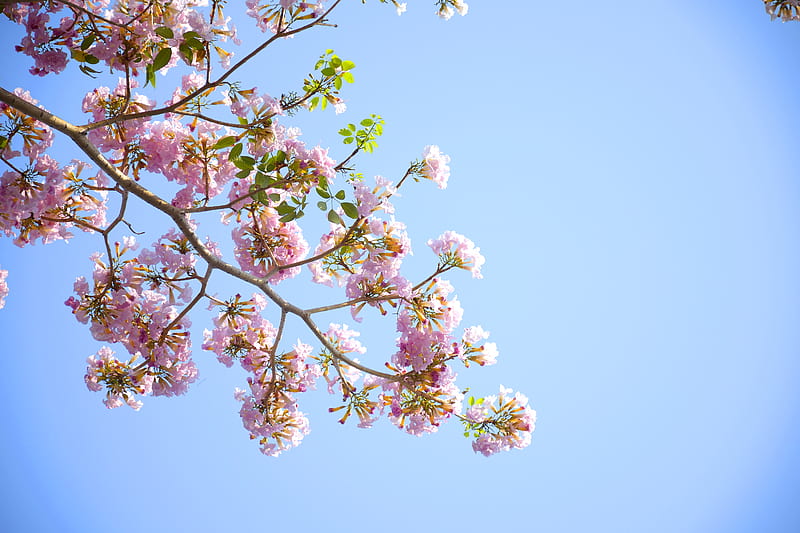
(364, 138)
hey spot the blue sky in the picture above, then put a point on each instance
(630, 174)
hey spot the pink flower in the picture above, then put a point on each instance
(264, 246)
(500, 426)
(455, 250)
(49, 61)
(435, 166)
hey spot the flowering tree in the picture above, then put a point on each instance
(228, 150)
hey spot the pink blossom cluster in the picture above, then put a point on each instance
(134, 302)
(473, 350)
(435, 166)
(373, 199)
(376, 269)
(427, 394)
(40, 199)
(344, 377)
(501, 422)
(46, 201)
(455, 250)
(36, 136)
(269, 410)
(121, 35)
(240, 332)
(366, 258)
(3, 287)
(274, 420)
(266, 247)
(121, 380)
(276, 16)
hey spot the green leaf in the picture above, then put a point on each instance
(323, 193)
(89, 58)
(350, 210)
(235, 152)
(87, 41)
(284, 208)
(348, 140)
(150, 75)
(165, 32)
(162, 58)
(322, 205)
(348, 77)
(348, 65)
(3, 141)
(340, 195)
(334, 218)
(328, 71)
(288, 217)
(337, 83)
(225, 142)
(335, 61)
(367, 122)
(88, 70)
(196, 44)
(274, 197)
(243, 173)
(187, 52)
(345, 132)
(245, 162)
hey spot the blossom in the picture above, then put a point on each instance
(121, 380)
(455, 250)
(265, 246)
(435, 166)
(500, 423)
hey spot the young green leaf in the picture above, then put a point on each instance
(162, 58)
(235, 152)
(225, 142)
(334, 218)
(165, 32)
(350, 210)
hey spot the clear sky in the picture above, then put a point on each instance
(630, 172)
